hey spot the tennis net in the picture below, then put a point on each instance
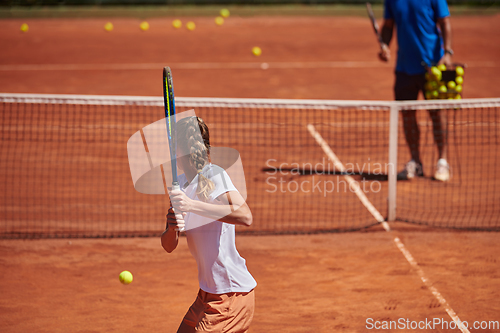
(65, 172)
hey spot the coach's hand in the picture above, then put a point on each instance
(446, 60)
(385, 53)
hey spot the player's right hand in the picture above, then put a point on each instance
(175, 221)
(385, 53)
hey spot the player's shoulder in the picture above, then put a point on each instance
(215, 169)
(212, 170)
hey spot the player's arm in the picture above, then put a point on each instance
(445, 26)
(386, 34)
(230, 207)
(170, 237)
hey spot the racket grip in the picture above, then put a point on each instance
(181, 224)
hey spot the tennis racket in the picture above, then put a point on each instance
(169, 103)
(374, 24)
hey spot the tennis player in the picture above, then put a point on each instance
(211, 207)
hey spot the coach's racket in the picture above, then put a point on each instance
(374, 24)
(169, 102)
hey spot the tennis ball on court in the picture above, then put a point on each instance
(459, 80)
(458, 88)
(219, 20)
(442, 67)
(224, 12)
(459, 70)
(144, 26)
(190, 25)
(451, 85)
(256, 51)
(126, 277)
(435, 94)
(443, 89)
(176, 24)
(24, 27)
(108, 26)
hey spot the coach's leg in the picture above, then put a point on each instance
(440, 131)
(412, 133)
(407, 88)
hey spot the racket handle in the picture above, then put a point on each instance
(181, 225)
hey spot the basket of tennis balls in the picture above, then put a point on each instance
(444, 83)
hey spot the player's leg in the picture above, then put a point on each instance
(185, 328)
(193, 315)
(440, 131)
(407, 87)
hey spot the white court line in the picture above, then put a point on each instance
(216, 65)
(354, 185)
(195, 65)
(364, 200)
(429, 285)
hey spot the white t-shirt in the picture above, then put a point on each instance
(221, 269)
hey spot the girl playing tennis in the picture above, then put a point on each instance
(211, 207)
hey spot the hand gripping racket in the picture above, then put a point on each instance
(169, 103)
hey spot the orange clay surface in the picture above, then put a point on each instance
(314, 283)
(306, 283)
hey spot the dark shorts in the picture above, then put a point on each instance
(407, 87)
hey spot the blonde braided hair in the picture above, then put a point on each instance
(193, 137)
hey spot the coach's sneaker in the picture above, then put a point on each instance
(411, 170)
(442, 170)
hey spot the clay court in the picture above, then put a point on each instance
(330, 282)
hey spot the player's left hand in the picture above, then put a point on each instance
(181, 202)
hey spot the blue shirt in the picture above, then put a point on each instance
(419, 39)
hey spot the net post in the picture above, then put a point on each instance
(393, 159)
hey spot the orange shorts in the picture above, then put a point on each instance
(231, 312)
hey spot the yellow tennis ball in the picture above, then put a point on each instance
(219, 20)
(459, 70)
(190, 25)
(108, 26)
(435, 94)
(24, 27)
(144, 26)
(176, 24)
(256, 51)
(443, 89)
(126, 277)
(442, 67)
(224, 12)
(451, 85)
(458, 88)
(436, 73)
(459, 80)
(458, 97)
